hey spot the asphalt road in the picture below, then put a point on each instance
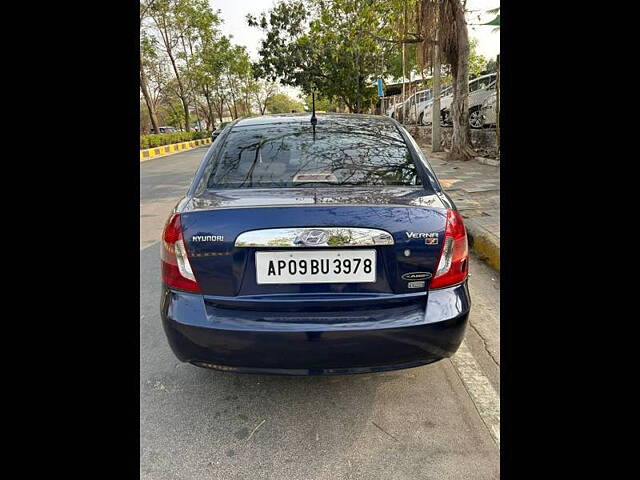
(439, 422)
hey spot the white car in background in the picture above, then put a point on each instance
(446, 97)
(413, 105)
(416, 103)
(397, 112)
(389, 111)
(479, 89)
(489, 110)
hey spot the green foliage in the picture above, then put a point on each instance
(477, 63)
(491, 66)
(282, 103)
(189, 65)
(158, 140)
(323, 104)
(322, 45)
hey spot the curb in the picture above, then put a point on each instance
(488, 161)
(164, 150)
(484, 243)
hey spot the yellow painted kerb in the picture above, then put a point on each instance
(173, 148)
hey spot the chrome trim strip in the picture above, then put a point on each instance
(305, 237)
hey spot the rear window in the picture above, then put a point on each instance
(288, 155)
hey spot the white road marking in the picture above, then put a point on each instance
(484, 396)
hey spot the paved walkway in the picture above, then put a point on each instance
(475, 189)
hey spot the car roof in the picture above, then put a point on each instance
(305, 118)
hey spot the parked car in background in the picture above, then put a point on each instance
(413, 106)
(416, 104)
(398, 112)
(389, 111)
(479, 89)
(446, 97)
(218, 130)
(165, 129)
(488, 110)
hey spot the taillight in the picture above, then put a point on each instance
(176, 269)
(453, 266)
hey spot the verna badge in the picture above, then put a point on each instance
(430, 238)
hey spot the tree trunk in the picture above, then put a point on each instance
(211, 116)
(147, 99)
(195, 104)
(182, 94)
(461, 148)
(498, 107)
(161, 22)
(221, 111)
(219, 106)
(436, 138)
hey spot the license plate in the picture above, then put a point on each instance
(316, 266)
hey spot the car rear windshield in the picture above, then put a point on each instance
(291, 155)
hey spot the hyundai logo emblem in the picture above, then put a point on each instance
(312, 238)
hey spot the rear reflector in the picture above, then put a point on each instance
(176, 269)
(453, 266)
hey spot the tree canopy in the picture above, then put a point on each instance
(191, 74)
(323, 45)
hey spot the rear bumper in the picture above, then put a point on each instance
(420, 331)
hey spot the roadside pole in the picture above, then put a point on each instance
(436, 139)
(415, 104)
(404, 84)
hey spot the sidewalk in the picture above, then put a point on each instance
(475, 189)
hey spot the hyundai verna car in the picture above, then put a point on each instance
(314, 249)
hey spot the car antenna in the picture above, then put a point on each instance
(314, 120)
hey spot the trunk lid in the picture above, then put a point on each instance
(213, 221)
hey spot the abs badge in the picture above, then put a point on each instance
(430, 238)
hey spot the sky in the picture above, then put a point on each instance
(488, 40)
(234, 13)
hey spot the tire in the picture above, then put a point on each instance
(475, 118)
(445, 117)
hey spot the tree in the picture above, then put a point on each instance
(477, 62)
(283, 103)
(175, 21)
(237, 73)
(214, 58)
(322, 45)
(146, 51)
(322, 104)
(263, 92)
(186, 63)
(446, 19)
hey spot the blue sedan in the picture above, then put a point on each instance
(307, 249)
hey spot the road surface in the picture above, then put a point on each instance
(439, 422)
